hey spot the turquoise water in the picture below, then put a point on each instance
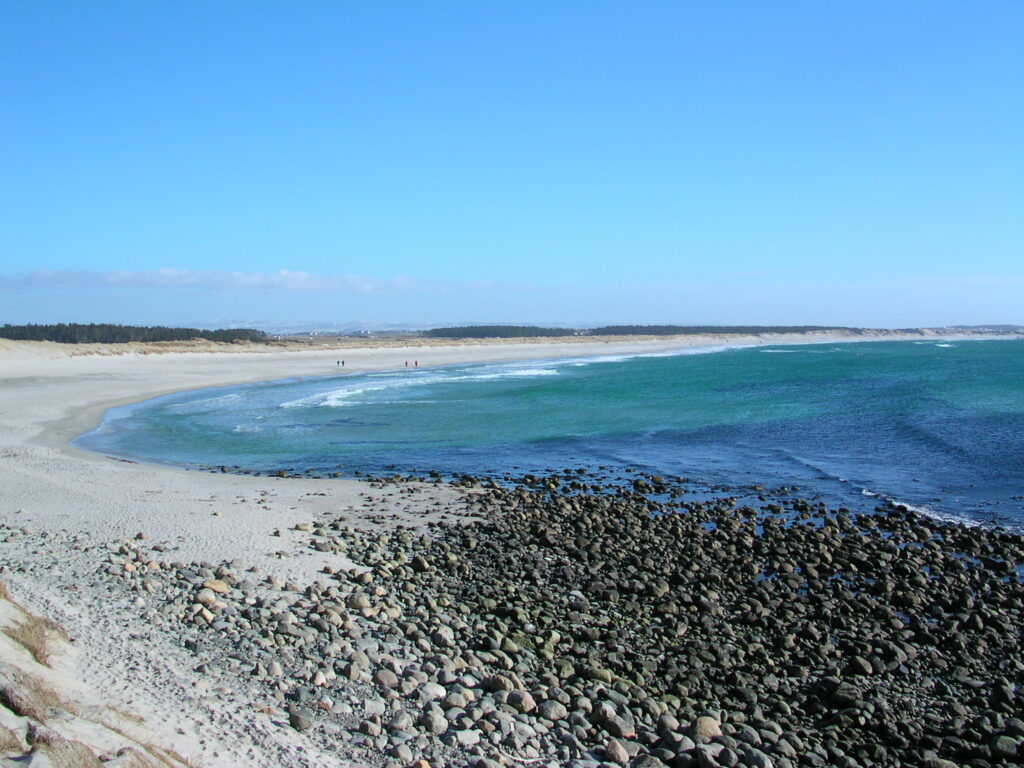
(938, 425)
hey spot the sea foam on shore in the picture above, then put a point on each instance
(942, 429)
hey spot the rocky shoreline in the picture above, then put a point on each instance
(562, 622)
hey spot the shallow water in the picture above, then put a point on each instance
(934, 424)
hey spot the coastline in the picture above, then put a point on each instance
(78, 507)
(21, 360)
(63, 507)
(46, 401)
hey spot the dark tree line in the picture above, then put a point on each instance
(689, 330)
(494, 332)
(103, 333)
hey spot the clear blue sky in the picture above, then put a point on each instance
(426, 162)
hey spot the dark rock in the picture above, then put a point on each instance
(300, 719)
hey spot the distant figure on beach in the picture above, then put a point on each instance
(406, 363)
(342, 363)
(416, 363)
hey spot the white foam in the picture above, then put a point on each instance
(581, 362)
(343, 396)
(577, 362)
(246, 429)
(350, 394)
(524, 373)
(943, 517)
(347, 395)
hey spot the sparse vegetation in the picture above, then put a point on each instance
(60, 752)
(164, 758)
(36, 635)
(10, 744)
(103, 333)
(26, 695)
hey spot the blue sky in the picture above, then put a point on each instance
(552, 162)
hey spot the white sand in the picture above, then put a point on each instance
(47, 397)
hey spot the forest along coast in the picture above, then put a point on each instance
(563, 622)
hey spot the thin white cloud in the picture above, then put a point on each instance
(221, 280)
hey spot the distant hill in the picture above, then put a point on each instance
(690, 330)
(514, 331)
(521, 331)
(996, 328)
(494, 332)
(101, 333)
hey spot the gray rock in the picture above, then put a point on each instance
(522, 701)
(859, 666)
(668, 724)
(444, 637)
(431, 691)
(552, 710)
(499, 683)
(615, 752)
(433, 722)
(1003, 747)
(467, 738)
(620, 727)
(300, 719)
(385, 678)
(755, 758)
(370, 727)
(358, 601)
(707, 727)
(402, 753)
(402, 721)
(648, 761)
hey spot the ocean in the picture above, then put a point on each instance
(936, 425)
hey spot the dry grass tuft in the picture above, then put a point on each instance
(130, 717)
(10, 744)
(63, 753)
(37, 635)
(25, 695)
(165, 758)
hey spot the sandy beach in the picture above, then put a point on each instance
(82, 502)
(66, 512)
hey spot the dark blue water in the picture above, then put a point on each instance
(937, 425)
